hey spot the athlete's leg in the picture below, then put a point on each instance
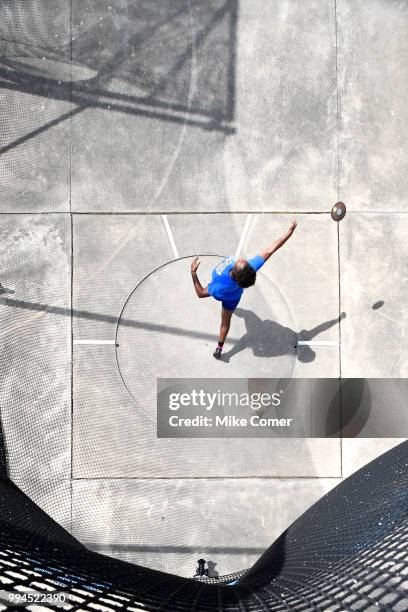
(224, 329)
(225, 324)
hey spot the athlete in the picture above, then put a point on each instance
(230, 278)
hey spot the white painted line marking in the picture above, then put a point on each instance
(318, 343)
(170, 236)
(244, 235)
(94, 342)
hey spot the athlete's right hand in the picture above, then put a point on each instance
(194, 264)
(293, 226)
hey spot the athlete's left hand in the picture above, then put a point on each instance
(194, 264)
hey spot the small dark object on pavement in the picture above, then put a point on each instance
(338, 212)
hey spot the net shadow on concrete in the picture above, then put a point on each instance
(283, 339)
(173, 62)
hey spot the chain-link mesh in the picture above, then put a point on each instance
(348, 552)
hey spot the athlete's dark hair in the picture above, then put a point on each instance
(246, 276)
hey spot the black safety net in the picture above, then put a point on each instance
(348, 552)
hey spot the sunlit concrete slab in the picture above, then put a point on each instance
(121, 162)
(169, 524)
(116, 437)
(373, 89)
(235, 110)
(201, 234)
(285, 146)
(373, 255)
(200, 176)
(282, 155)
(36, 338)
(112, 254)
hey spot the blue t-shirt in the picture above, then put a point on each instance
(222, 287)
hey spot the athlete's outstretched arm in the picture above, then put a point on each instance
(266, 253)
(200, 290)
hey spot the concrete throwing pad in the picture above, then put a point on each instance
(115, 437)
(165, 330)
(111, 254)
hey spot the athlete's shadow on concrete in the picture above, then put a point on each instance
(271, 339)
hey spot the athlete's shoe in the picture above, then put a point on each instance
(217, 353)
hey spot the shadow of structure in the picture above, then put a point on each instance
(268, 338)
(173, 61)
(94, 316)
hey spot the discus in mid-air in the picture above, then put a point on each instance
(230, 278)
